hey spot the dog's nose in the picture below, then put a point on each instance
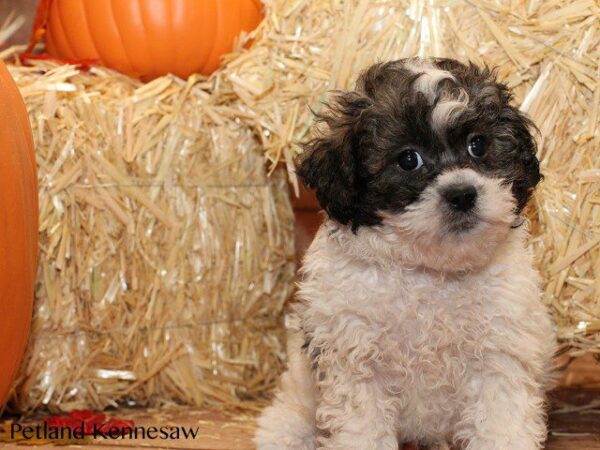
(461, 197)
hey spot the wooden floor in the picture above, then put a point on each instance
(574, 420)
(574, 424)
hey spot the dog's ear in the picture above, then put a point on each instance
(517, 129)
(329, 161)
(528, 175)
(531, 168)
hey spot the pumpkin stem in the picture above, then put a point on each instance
(39, 25)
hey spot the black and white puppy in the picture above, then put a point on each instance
(419, 316)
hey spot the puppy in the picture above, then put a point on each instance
(419, 316)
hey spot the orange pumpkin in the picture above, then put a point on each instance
(18, 229)
(146, 38)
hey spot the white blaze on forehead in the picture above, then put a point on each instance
(430, 77)
(448, 110)
(447, 107)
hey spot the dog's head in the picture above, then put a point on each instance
(429, 150)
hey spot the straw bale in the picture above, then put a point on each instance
(547, 51)
(166, 252)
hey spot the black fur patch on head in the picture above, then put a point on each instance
(353, 163)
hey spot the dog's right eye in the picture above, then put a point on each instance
(410, 160)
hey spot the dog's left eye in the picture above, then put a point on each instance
(476, 146)
(410, 160)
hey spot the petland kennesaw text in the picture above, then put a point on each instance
(44, 431)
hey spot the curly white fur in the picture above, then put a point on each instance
(406, 332)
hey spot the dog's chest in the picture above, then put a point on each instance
(435, 325)
(436, 333)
